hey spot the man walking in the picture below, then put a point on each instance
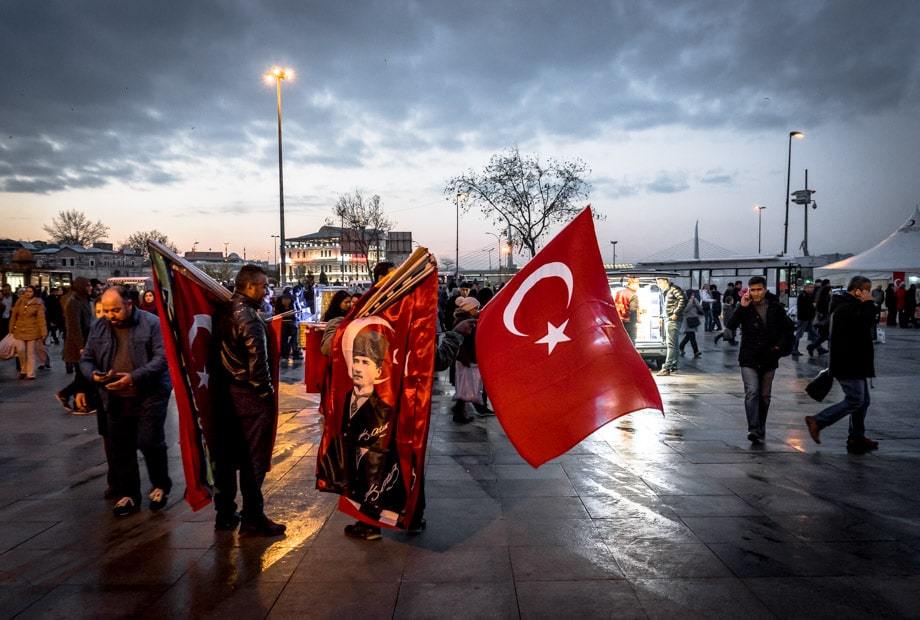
(245, 427)
(852, 362)
(124, 358)
(764, 329)
(674, 302)
(805, 314)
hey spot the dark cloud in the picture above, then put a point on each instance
(92, 92)
(669, 183)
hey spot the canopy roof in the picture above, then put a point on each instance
(900, 251)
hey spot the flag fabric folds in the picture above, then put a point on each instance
(189, 302)
(554, 356)
(377, 400)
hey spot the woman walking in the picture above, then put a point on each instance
(692, 314)
(27, 323)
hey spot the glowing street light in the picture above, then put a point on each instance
(798, 135)
(277, 75)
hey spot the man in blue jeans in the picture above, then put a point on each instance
(764, 329)
(852, 362)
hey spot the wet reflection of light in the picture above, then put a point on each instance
(637, 432)
(797, 444)
(298, 531)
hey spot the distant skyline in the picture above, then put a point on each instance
(155, 116)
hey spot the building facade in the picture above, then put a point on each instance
(339, 256)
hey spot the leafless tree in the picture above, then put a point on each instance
(72, 227)
(138, 242)
(523, 193)
(447, 264)
(364, 225)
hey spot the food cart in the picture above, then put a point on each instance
(650, 329)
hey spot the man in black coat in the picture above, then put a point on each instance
(244, 428)
(852, 362)
(805, 314)
(764, 332)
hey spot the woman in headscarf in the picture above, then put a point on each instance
(27, 323)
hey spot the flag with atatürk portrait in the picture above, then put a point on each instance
(188, 302)
(555, 359)
(378, 400)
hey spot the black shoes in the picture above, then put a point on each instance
(262, 526)
(124, 507)
(65, 402)
(861, 445)
(417, 528)
(460, 415)
(697, 355)
(226, 522)
(363, 531)
(755, 438)
(814, 429)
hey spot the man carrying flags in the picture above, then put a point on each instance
(244, 429)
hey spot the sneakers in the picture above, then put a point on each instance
(158, 498)
(226, 522)
(697, 355)
(664, 372)
(363, 531)
(263, 526)
(813, 428)
(125, 507)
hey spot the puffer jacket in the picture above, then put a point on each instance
(27, 320)
(675, 300)
(244, 345)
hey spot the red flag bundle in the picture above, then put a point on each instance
(377, 403)
(188, 301)
(554, 356)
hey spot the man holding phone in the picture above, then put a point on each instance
(124, 359)
(764, 330)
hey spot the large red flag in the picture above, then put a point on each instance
(405, 333)
(188, 302)
(554, 356)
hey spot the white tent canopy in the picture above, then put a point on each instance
(900, 251)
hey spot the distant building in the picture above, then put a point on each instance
(59, 265)
(338, 255)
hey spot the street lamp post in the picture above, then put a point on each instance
(498, 239)
(613, 244)
(457, 246)
(276, 237)
(798, 135)
(277, 75)
(759, 209)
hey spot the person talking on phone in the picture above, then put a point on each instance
(125, 361)
(763, 323)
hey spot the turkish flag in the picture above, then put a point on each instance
(188, 302)
(554, 356)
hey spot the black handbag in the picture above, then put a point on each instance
(819, 387)
(693, 322)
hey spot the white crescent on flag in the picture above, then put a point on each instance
(554, 334)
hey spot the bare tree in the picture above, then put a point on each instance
(138, 242)
(364, 225)
(524, 194)
(222, 272)
(447, 264)
(72, 227)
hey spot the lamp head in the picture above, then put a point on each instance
(798, 135)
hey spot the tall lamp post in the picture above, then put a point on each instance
(759, 209)
(278, 74)
(613, 244)
(498, 239)
(457, 246)
(798, 135)
(276, 237)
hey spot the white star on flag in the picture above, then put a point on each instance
(202, 378)
(554, 335)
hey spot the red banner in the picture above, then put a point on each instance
(554, 356)
(377, 408)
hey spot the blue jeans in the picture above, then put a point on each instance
(855, 403)
(758, 385)
(672, 330)
(804, 327)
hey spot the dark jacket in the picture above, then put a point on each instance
(374, 479)
(675, 300)
(805, 307)
(78, 316)
(852, 324)
(244, 345)
(150, 375)
(761, 341)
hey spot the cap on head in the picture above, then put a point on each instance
(372, 345)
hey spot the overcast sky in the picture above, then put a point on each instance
(154, 115)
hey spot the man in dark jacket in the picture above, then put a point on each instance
(245, 429)
(124, 358)
(764, 332)
(852, 362)
(805, 315)
(674, 303)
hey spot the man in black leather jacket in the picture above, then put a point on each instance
(244, 424)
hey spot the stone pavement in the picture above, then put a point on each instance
(652, 516)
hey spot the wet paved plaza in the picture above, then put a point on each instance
(674, 516)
